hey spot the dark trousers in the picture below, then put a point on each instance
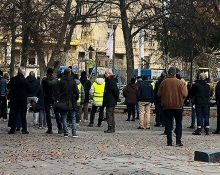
(101, 114)
(169, 115)
(18, 112)
(159, 115)
(131, 111)
(78, 113)
(110, 117)
(202, 113)
(218, 118)
(137, 110)
(3, 107)
(48, 117)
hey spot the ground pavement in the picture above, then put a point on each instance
(128, 151)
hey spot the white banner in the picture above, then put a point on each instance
(109, 51)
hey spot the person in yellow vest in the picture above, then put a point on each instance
(80, 101)
(96, 93)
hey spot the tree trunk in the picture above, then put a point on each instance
(128, 40)
(69, 38)
(12, 64)
(38, 46)
(25, 32)
(61, 36)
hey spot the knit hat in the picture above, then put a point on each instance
(172, 71)
(49, 71)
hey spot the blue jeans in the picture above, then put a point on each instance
(202, 113)
(72, 119)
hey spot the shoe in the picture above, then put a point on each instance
(11, 132)
(24, 132)
(133, 120)
(49, 132)
(169, 144)
(216, 132)
(18, 129)
(191, 127)
(60, 131)
(157, 125)
(75, 136)
(128, 120)
(179, 144)
(108, 131)
(65, 135)
(147, 128)
(196, 132)
(140, 127)
(90, 125)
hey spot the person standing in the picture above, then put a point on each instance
(145, 98)
(87, 86)
(159, 111)
(138, 82)
(96, 93)
(50, 91)
(111, 96)
(201, 94)
(68, 94)
(217, 97)
(172, 92)
(19, 89)
(130, 94)
(80, 99)
(34, 86)
(3, 97)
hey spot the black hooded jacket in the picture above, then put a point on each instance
(34, 85)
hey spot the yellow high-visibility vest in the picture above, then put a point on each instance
(98, 92)
(153, 84)
(79, 86)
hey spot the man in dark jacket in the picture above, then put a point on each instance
(3, 97)
(34, 86)
(130, 94)
(87, 86)
(68, 94)
(217, 97)
(145, 98)
(138, 82)
(159, 111)
(111, 96)
(201, 94)
(19, 89)
(50, 90)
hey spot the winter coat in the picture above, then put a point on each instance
(130, 93)
(145, 92)
(87, 86)
(172, 92)
(81, 93)
(217, 93)
(156, 88)
(19, 90)
(50, 89)
(40, 96)
(138, 83)
(68, 92)
(200, 93)
(111, 94)
(99, 81)
(34, 85)
(3, 86)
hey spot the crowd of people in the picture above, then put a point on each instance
(67, 96)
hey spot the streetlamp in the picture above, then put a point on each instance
(113, 55)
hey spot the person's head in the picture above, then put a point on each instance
(32, 73)
(139, 78)
(132, 81)
(76, 76)
(202, 76)
(21, 71)
(67, 71)
(163, 75)
(108, 73)
(50, 71)
(1, 73)
(172, 71)
(178, 76)
(6, 76)
(144, 78)
(83, 74)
